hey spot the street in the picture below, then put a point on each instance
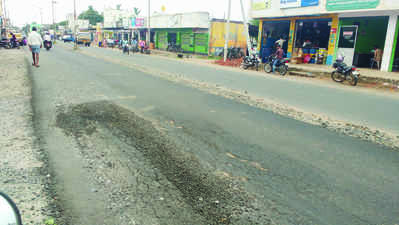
(128, 147)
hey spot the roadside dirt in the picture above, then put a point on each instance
(24, 174)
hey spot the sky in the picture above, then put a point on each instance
(26, 11)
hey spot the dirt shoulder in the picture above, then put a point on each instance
(23, 170)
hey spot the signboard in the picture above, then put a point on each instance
(298, 3)
(290, 4)
(261, 4)
(137, 22)
(335, 5)
(307, 3)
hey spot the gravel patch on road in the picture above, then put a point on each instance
(374, 135)
(148, 178)
(23, 169)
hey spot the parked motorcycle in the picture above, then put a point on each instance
(9, 213)
(251, 61)
(233, 53)
(172, 47)
(344, 72)
(281, 66)
(47, 45)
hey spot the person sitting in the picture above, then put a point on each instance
(377, 58)
(278, 57)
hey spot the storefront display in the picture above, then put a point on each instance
(274, 31)
(312, 40)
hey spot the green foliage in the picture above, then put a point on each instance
(137, 11)
(254, 22)
(63, 23)
(50, 221)
(92, 15)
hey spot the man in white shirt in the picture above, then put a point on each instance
(35, 44)
(47, 39)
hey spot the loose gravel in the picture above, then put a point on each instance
(23, 168)
(374, 135)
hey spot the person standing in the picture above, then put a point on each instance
(35, 44)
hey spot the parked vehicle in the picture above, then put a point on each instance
(83, 38)
(251, 61)
(344, 72)
(172, 47)
(4, 43)
(233, 53)
(68, 38)
(110, 43)
(47, 45)
(281, 67)
(134, 49)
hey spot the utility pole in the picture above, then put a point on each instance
(53, 2)
(74, 25)
(41, 16)
(149, 23)
(249, 44)
(227, 34)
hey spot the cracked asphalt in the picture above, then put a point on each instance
(127, 147)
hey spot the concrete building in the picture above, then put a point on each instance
(80, 24)
(316, 31)
(117, 18)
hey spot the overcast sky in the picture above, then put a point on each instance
(27, 11)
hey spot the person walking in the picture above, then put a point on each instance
(35, 44)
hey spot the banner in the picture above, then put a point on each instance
(137, 22)
(290, 4)
(336, 5)
(261, 4)
(307, 3)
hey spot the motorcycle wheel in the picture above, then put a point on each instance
(283, 70)
(268, 68)
(353, 79)
(337, 77)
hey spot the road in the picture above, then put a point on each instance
(127, 147)
(343, 103)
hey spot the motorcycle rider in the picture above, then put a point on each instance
(13, 40)
(47, 39)
(279, 56)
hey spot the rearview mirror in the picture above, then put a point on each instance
(9, 213)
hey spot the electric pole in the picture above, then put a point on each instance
(149, 23)
(74, 25)
(244, 17)
(227, 34)
(53, 2)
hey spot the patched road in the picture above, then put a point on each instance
(131, 148)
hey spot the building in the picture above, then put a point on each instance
(196, 33)
(116, 18)
(80, 24)
(316, 31)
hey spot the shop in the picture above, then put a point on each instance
(358, 39)
(272, 31)
(191, 40)
(394, 66)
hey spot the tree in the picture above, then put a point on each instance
(92, 15)
(137, 11)
(63, 23)
(254, 22)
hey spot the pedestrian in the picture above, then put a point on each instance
(35, 44)
(142, 46)
(377, 57)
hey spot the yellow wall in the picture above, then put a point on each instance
(217, 36)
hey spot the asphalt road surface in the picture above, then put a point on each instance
(130, 148)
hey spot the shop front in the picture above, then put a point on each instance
(360, 38)
(309, 40)
(394, 66)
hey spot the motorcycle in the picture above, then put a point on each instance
(251, 61)
(344, 72)
(281, 66)
(47, 45)
(233, 53)
(172, 47)
(9, 213)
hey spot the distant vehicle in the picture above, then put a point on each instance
(110, 42)
(84, 38)
(68, 38)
